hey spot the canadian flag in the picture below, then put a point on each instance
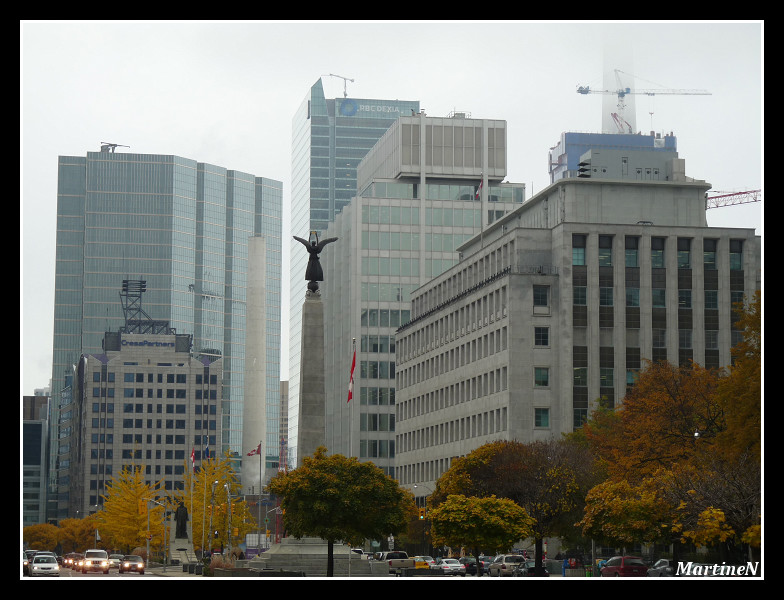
(193, 458)
(351, 379)
(256, 450)
(479, 190)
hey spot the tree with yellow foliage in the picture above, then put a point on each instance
(490, 524)
(42, 536)
(548, 479)
(123, 520)
(198, 497)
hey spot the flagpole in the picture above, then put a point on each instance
(258, 539)
(350, 398)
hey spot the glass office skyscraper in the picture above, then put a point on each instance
(329, 139)
(183, 227)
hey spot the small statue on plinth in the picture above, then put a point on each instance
(181, 518)
(314, 273)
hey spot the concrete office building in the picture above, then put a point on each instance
(329, 138)
(615, 155)
(184, 227)
(146, 402)
(428, 185)
(555, 309)
(35, 466)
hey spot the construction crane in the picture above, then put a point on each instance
(622, 124)
(345, 79)
(109, 146)
(732, 198)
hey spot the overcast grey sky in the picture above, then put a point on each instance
(225, 93)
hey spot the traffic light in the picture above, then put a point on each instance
(421, 514)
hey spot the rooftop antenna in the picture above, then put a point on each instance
(345, 79)
(110, 146)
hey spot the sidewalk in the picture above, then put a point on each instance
(171, 571)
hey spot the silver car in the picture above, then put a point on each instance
(504, 565)
(661, 568)
(449, 566)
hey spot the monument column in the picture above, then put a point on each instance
(312, 403)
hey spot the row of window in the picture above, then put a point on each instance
(130, 377)
(128, 407)
(485, 423)
(177, 440)
(658, 244)
(104, 424)
(454, 358)
(178, 393)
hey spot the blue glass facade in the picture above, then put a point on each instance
(183, 226)
(329, 139)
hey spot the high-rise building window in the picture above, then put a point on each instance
(684, 253)
(657, 252)
(605, 250)
(541, 376)
(632, 248)
(578, 250)
(736, 255)
(542, 417)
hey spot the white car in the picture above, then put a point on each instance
(449, 566)
(44, 564)
(95, 560)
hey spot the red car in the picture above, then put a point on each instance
(625, 566)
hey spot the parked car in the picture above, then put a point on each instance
(624, 566)
(449, 566)
(503, 565)
(528, 569)
(114, 560)
(44, 564)
(95, 560)
(661, 568)
(469, 562)
(424, 562)
(28, 558)
(131, 563)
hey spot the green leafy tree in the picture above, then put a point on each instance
(338, 498)
(549, 479)
(489, 523)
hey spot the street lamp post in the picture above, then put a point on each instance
(212, 510)
(165, 547)
(228, 520)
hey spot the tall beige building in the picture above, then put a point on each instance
(147, 402)
(428, 186)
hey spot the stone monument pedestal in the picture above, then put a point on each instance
(181, 549)
(311, 430)
(309, 556)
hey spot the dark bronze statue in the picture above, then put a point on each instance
(181, 518)
(313, 273)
